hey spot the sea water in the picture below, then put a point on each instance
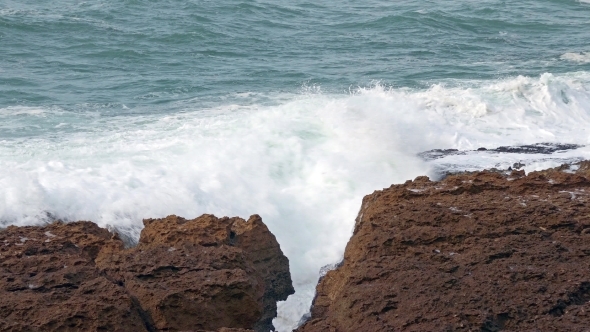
(114, 111)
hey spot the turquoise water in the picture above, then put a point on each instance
(114, 111)
(143, 56)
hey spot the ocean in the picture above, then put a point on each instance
(115, 111)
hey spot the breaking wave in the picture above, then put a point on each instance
(302, 161)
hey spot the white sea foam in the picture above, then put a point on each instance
(303, 163)
(20, 110)
(581, 57)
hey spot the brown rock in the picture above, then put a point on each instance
(224, 329)
(263, 250)
(187, 276)
(206, 274)
(224, 272)
(474, 252)
(49, 282)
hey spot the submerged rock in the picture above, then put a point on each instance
(205, 274)
(538, 148)
(482, 251)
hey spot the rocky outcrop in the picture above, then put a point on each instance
(261, 247)
(205, 274)
(49, 282)
(538, 148)
(484, 251)
(222, 272)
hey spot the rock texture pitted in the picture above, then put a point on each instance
(261, 248)
(207, 266)
(49, 282)
(484, 251)
(205, 274)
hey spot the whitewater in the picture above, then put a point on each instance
(115, 111)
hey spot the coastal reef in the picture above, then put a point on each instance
(481, 251)
(206, 274)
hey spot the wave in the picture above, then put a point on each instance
(303, 162)
(581, 57)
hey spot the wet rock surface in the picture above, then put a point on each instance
(538, 148)
(445, 162)
(205, 274)
(482, 251)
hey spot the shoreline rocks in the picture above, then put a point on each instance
(481, 251)
(445, 162)
(485, 251)
(538, 148)
(204, 274)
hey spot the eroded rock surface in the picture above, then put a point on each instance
(205, 274)
(474, 252)
(49, 282)
(223, 272)
(538, 148)
(261, 247)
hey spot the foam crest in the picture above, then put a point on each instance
(581, 57)
(303, 163)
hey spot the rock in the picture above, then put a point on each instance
(49, 282)
(445, 162)
(205, 274)
(518, 165)
(262, 249)
(483, 251)
(538, 148)
(223, 272)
